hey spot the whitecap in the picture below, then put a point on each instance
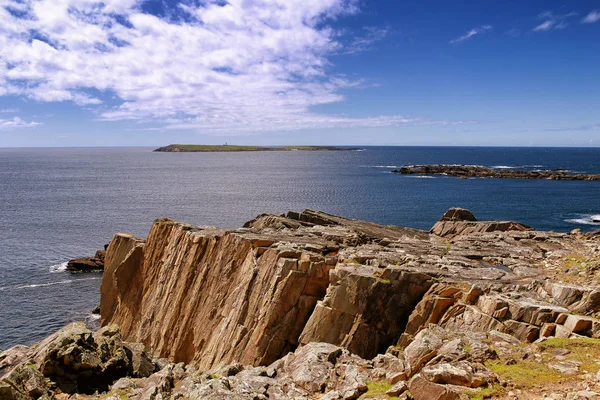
(35, 285)
(421, 177)
(503, 167)
(58, 267)
(385, 166)
(589, 219)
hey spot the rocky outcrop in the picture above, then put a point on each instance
(73, 360)
(312, 305)
(254, 294)
(88, 264)
(461, 222)
(470, 171)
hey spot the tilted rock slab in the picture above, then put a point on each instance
(210, 296)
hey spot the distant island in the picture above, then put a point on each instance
(200, 148)
(471, 171)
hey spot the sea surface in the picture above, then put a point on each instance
(62, 203)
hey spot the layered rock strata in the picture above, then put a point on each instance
(211, 297)
(311, 305)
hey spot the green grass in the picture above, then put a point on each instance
(525, 374)
(214, 376)
(485, 393)
(584, 350)
(377, 388)
(233, 148)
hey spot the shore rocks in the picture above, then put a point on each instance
(312, 305)
(468, 171)
(88, 264)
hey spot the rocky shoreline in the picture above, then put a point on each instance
(469, 171)
(314, 306)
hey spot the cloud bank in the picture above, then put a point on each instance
(209, 65)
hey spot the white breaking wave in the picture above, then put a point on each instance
(58, 267)
(503, 167)
(421, 177)
(385, 166)
(592, 219)
(35, 285)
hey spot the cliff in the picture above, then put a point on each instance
(312, 305)
(212, 297)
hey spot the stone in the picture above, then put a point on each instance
(423, 348)
(142, 364)
(27, 381)
(577, 323)
(79, 361)
(565, 367)
(422, 389)
(398, 388)
(458, 214)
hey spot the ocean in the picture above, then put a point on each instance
(62, 203)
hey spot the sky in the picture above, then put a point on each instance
(277, 72)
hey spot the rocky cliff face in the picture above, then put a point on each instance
(311, 305)
(211, 297)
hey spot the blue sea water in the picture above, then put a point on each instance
(57, 204)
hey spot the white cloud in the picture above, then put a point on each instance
(592, 17)
(15, 123)
(553, 21)
(471, 33)
(214, 65)
(545, 26)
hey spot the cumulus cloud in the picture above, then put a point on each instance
(592, 17)
(15, 123)
(553, 21)
(471, 33)
(210, 65)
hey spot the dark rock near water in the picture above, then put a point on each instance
(469, 171)
(88, 264)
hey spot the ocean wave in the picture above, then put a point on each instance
(585, 219)
(421, 177)
(58, 267)
(385, 166)
(36, 285)
(502, 167)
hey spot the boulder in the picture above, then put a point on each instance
(422, 389)
(458, 214)
(87, 264)
(26, 382)
(423, 348)
(81, 362)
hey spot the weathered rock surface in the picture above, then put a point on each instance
(88, 264)
(464, 171)
(253, 294)
(311, 305)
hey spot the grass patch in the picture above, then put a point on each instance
(377, 388)
(485, 393)
(584, 350)
(385, 281)
(32, 366)
(214, 376)
(525, 374)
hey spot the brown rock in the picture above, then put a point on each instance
(422, 389)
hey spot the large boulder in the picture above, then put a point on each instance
(79, 361)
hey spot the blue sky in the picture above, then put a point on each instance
(385, 72)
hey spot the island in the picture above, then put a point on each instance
(204, 148)
(474, 171)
